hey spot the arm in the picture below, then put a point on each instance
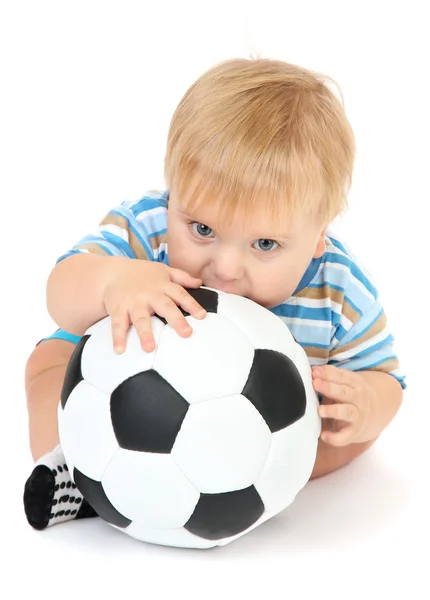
(387, 395)
(361, 384)
(330, 458)
(74, 291)
(386, 400)
(75, 285)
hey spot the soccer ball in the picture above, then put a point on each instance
(203, 439)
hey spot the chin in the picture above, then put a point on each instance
(268, 303)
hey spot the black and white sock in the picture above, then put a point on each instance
(50, 496)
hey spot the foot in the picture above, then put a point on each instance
(50, 496)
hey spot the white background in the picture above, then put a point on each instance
(87, 93)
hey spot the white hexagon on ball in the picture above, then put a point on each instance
(149, 488)
(179, 537)
(86, 413)
(222, 445)
(215, 346)
(111, 369)
(264, 330)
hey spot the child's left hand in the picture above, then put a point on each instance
(352, 401)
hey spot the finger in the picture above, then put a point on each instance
(338, 438)
(182, 298)
(141, 320)
(183, 278)
(120, 323)
(334, 391)
(340, 412)
(335, 374)
(166, 307)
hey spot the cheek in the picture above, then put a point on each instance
(183, 255)
(272, 294)
(274, 284)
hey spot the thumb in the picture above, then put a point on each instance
(183, 278)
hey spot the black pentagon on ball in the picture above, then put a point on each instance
(276, 389)
(206, 298)
(147, 413)
(73, 371)
(94, 494)
(218, 516)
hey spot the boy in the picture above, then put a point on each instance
(259, 162)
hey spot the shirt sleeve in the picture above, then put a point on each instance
(362, 340)
(134, 229)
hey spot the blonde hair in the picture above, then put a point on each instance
(259, 130)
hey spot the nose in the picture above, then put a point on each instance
(228, 264)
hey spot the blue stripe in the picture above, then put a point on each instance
(377, 363)
(338, 245)
(147, 203)
(400, 377)
(157, 233)
(72, 252)
(340, 332)
(137, 233)
(357, 330)
(119, 243)
(355, 270)
(313, 345)
(309, 274)
(363, 363)
(353, 305)
(309, 333)
(339, 288)
(365, 329)
(318, 286)
(111, 247)
(163, 258)
(335, 319)
(373, 348)
(302, 312)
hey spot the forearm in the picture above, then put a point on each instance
(387, 397)
(74, 291)
(330, 458)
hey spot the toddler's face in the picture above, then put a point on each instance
(262, 259)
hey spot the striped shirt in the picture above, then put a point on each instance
(334, 314)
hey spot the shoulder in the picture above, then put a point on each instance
(142, 223)
(150, 204)
(147, 216)
(342, 271)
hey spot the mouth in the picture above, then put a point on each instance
(233, 292)
(224, 289)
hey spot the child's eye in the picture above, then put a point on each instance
(201, 229)
(265, 245)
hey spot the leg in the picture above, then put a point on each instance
(44, 378)
(50, 496)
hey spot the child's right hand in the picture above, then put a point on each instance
(136, 289)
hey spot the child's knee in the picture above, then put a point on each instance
(49, 354)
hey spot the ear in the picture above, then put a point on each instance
(320, 247)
